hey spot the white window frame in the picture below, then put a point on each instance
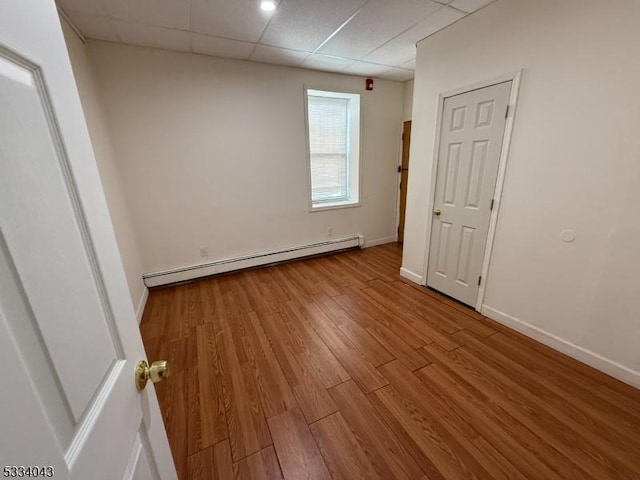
(353, 156)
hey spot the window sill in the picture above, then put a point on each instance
(333, 206)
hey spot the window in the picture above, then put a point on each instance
(333, 130)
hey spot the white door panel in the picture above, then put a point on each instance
(471, 136)
(68, 337)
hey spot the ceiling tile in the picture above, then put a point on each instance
(410, 65)
(470, 5)
(398, 74)
(378, 22)
(98, 28)
(402, 49)
(278, 56)
(92, 7)
(163, 13)
(305, 24)
(325, 62)
(151, 36)
(235, 19)
(221, 47)
(365, 69)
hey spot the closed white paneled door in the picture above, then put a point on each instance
(471, 136)
(69, 343)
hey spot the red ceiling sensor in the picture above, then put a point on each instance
(369, 83)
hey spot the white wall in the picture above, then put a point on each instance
(107, 166)
(213, 153)
(574, 163)
(407, 111)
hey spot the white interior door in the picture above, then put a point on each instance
(471, 136)
(68, 337)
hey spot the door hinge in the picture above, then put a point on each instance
(400, 185)
(493, 202)
(398, 229)
(479, 280)
(399, 168)
(506, 114)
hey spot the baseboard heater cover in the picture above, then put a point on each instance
(191, 272)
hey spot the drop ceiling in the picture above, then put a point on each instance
(361, 37)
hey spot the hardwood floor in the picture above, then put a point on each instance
(334, 367)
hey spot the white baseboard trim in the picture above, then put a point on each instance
(247, 261)
(380, 241)
(409, 275)
(581, 354)
(141, 304)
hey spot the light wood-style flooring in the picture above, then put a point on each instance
(334, 367)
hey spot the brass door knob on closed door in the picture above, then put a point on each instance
(156, 372)
(437, 212)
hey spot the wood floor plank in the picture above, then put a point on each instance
(577, 414)
(275, 393)
(364, 341)
(352, 359)
(429, 332)
(310, 393)
(363, 304)
(296, 449)
(287, 350)
(194, 418)
(526, 451)
(429, 306)
(626, 408)
(254, 351)
(343, 454)
(385, 451)
(328, 368)
(222, 465)
(200, 465)
(248, 431)
(211, 388)
(456, 453)
(383, 334)
(551, 425)
(174, 412)
(262, 465)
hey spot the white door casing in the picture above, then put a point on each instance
(471, 137)
(69, 341)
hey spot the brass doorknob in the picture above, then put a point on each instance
(156, 372)
(437, 212)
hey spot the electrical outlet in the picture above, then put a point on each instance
(329, 231)
(204, 251)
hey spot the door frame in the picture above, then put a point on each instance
(399, 179)
(515, 78)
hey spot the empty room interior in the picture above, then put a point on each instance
(320, 239)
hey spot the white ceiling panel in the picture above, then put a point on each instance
(233, 19)
(410, 65)
(327, 63)
(397, 74)
(152, 36)
(278, 56)
(378, 22)
(99, 28)
(221, 47)
(365, 69)
(305, 24)
(162, 13)
(402, 49)
(92, 7)
(470, 5)
(360, 37)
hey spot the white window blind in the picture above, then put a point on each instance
(328, 148)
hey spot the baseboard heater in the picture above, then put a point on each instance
(182, 274)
